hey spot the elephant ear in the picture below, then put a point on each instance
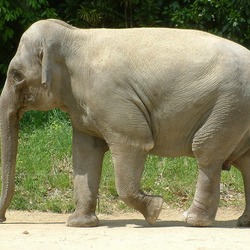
(46, 65)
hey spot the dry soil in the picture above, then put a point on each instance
(45, 231)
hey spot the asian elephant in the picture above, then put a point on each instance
(161, 91)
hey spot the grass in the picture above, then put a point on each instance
(44, 172)
(44, 180)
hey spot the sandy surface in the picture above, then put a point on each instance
(36, 230)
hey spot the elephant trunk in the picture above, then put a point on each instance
(9, 140)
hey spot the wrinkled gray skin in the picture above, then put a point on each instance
(135, 92)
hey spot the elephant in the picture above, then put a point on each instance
(135, 92)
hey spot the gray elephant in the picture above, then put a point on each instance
(135, 92)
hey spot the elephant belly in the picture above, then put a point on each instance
(168, 147)
(173, 135)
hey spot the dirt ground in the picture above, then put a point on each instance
(45, 231)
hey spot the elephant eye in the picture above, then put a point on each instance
(18, 76)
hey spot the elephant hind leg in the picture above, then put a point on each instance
(203, 210)
(243, 164)
(129, 165)
(211, 155)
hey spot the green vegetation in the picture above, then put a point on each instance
(44, 165)
(44, 171)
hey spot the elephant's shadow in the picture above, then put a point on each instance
(141, 223)
(136, 223)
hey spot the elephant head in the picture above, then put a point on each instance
(28, 87)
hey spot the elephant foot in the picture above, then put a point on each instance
(244, 220)
(194, 218)
(153, 210)
(78, 219)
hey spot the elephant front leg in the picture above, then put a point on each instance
(88, 155)
(129, 166)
